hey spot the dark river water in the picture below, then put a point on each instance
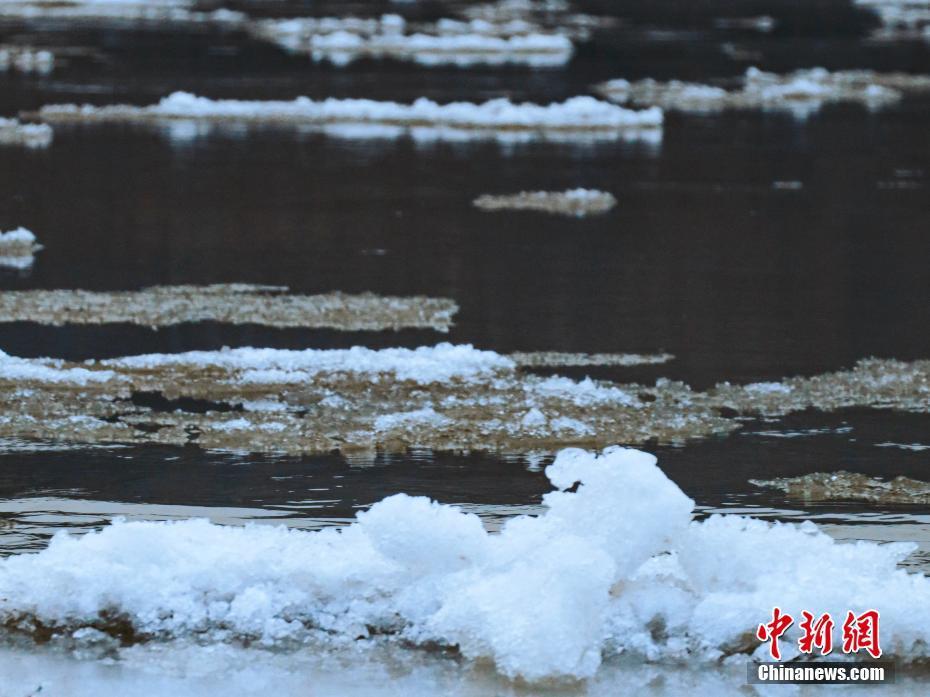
(706, 255)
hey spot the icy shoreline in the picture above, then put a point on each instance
(614, 556)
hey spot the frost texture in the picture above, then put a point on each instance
(614, 565)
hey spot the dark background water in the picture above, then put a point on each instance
(703, 257)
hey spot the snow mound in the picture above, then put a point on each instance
(578, 117)
(614, 565)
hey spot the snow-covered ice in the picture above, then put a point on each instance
(31, 135)
(614, 566)
(578, 118)
(26, 59)
(342, 40)
(18, 248)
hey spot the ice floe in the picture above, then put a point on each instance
(573, 202)
(900, 19)
(578, 118)
(18, 248)
(613, 566)
(801, 93)
(342, 40)
(271, 306)
(119, 12)
(353, 400)
(850, 486)
(30, 135)
(26, 59)
(530, 359)
(356, 399)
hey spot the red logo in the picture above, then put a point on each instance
(860, 632)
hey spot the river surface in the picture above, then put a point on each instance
(751, 245)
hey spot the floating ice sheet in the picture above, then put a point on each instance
(850, 486)
(557, 358)
(579, 118)
(343, 40)
(18, 248)
(118, 12)
(26, 59)
(31, 135)
(613, 566)
(270, 306)
(573, 202)
(443, 397)
(802, 92)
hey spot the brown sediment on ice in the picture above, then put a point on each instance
(543, 359)
(574, 202)
(873, 382)
(270, 306)
(850, 486)
(320, 401)
(801, 92)
(362, 400)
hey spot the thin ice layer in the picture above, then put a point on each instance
(573, 202)
(270, 306)
(801, 93)
(850, 486)
(613, 566)
(578, 117)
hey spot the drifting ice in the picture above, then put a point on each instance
(802, 92)
(576, 118)
(613, 566)
(18, 248)
(32, 135)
